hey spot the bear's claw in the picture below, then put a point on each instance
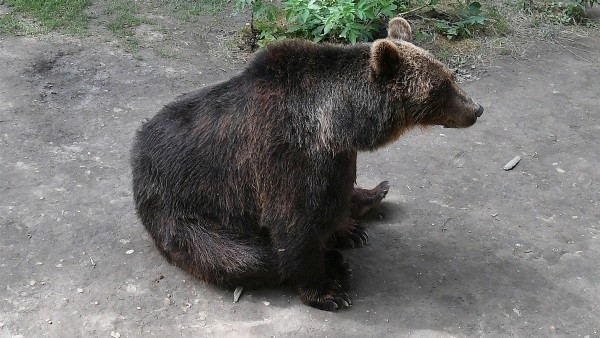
(358, 237)
(334, 301)
(353, 236)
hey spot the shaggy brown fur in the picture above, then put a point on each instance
(251, 181)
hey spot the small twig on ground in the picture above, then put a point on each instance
(443, 227)
(577, 48)
(570, 51)
(561, 323)
(426, 18)
(413, 10)
(11, 290)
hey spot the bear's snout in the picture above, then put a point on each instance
(479, 111)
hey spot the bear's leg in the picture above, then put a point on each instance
(337, 268)
(328, 293)
(319, 276)
(363, 200)
(215, 256)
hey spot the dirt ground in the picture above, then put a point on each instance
(462, 247)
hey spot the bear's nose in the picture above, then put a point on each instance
(479, 111)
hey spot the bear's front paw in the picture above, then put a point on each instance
(323, 295)
(352, 235)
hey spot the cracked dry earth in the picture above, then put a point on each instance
(463, 248)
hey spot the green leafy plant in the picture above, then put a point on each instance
(570, 12)
(321, 20)
(588, 2)
(468, 17)
(352, 21)
(348, 20)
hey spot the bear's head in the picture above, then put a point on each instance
(426, 88)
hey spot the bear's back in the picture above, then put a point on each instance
(295, 59)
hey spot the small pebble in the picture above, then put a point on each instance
(32, 282)
(79, 290)
(512, 163)
(115, 334)
(129, 252)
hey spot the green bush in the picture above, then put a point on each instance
(321, 20)
(351, 21)
(570, 12)
(468, 17)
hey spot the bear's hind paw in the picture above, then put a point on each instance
(329, 298)
(363, 200)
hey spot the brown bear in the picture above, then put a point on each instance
(251, 181)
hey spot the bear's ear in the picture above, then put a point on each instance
(385, 58)
(399, 29)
